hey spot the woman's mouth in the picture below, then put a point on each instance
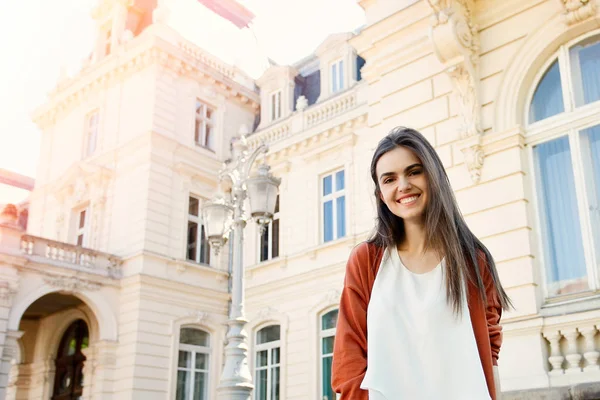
(408, 200)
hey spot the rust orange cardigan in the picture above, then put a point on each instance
(350, 346)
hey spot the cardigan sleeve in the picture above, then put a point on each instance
(350, 345)
(493, 310)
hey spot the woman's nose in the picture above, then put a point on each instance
(403, 185)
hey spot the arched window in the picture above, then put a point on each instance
(566, 154)
(326, 337)
(267, 363)
(193, 364)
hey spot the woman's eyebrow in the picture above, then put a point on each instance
(415, 165)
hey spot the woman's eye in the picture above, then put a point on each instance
(388, 180)
(415, 172)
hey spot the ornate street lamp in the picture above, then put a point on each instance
(217, 217)
(222, 217)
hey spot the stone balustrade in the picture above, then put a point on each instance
(310, 117)
(573, 349)
(76, 257)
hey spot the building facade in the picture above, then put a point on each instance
(112, 292)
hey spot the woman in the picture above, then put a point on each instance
(420, 310)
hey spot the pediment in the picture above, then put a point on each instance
(80, 179)
(333, 42)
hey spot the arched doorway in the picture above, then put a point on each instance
(68, 381)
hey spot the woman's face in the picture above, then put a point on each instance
(403, 184)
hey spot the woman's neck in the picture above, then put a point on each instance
(414, 238)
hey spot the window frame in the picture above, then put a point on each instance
(322, 335)
(200, 238)
(333, 196)
(275, 105)
(339, 83)
(194, 350)
(201, 138)
(269, 230)
(570, 123)
(268, 347)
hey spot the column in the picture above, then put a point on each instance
(10, 356)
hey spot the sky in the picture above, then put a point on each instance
(40, 37)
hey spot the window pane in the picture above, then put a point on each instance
(275, 356)
(275, 244)
(548, 98)
(183, 384)
(329, 320)
(192, 240)
(261, 382)
(340, 183)
(193, 206)
(275, 383)
(262, 358)
(185, 359)
(334, 78)
(328, 221)
(327, 391)
(327, 345)
(264, 245)
(327, 185)
(590, 143)
(198, 131)
(341, 74)
(199, 386)
(208, 138)
(201, 361)
(565, 264)
(341, 216)
(193, 336)
(585, 61)
(204, 247)
(82, 219)
(268, 334)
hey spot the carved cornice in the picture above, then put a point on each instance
(578, 10)
(71, 283)
(83, 181)
(7, 292)
(180, 60)
(456, 43)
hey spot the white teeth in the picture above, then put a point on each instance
(408, 199)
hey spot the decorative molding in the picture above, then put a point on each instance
(578, 10)
(456, 43)
(7, 292)
(183, 59)
(71, 283)
(199, 317)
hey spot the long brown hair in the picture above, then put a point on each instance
(446, 230)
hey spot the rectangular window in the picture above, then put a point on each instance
(198, 249)
(337, 76)
(275, 105)
(91, 133)
(334, 206)
(204, 126)
(269, 240)
(566, 194)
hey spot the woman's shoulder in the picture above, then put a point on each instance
(365, 256)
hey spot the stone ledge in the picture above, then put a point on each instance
(585, 391)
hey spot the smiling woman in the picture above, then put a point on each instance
(423, 279)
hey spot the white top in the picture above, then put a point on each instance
(417, 347)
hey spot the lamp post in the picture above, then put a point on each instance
(222, 216)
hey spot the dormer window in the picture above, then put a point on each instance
(275, 105)
(337, 76)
